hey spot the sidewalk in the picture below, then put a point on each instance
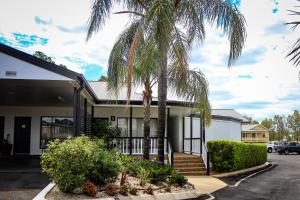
(206, 184)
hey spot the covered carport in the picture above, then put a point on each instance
(40, 101)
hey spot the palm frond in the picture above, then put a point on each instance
(131, 55)
(192, 14)
(193, 89)
(118, 59)
(294, 53)
(100, 12)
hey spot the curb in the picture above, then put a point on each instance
(170, 196)
(42, 194)
(243, 171)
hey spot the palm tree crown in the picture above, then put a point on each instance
(173, 26)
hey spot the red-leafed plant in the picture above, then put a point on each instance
(90, 189)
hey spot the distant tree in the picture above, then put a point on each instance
(103, 78)
(64, 66)
(279, 126)
(43, 56)
(267, 123)
(293, 123)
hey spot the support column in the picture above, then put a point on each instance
(203, 125)
(74, 111)
(191, 134)
(85, 116)
(78, 114)
(183, 134)
(130, 131)
(168, 115)
(201, 132)
(92, 120)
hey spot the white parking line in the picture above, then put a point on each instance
(243, 179)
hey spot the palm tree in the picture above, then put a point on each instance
(172, 24)
(193, 87)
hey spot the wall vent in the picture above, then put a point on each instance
(11, 73)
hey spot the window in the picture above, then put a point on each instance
(137, 127)
(253, 135)
(55, 127)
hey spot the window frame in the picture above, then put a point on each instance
(53, 116)
(128, 126)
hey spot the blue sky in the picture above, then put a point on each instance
(260, 84)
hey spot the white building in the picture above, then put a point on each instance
(40, 101)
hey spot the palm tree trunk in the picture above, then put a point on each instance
(147, 98)
(162, 103)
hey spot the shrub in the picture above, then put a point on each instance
(111, 189)
(149, 190)
(70, 163)
(159, 173)
(177, 178)
(124, 190)
(135, 164)
(230, 156)
(104, 130)
(143, 175)
(105, 167)
(90, 189)
(167, 189)
(133, 191)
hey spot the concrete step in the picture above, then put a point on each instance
(196, 164)
(192, 169)
(191, 162)
(187, 158)
(193, 173)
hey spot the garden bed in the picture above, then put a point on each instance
(133, 182)
(83, 168)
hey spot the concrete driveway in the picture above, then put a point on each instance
(20, 178)
(281, 182)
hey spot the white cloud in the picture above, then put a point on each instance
(272, 76)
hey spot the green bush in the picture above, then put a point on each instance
(177, 178)
(159, 174)
(105, 130)
(135, 163)
(70, 163)
(230, 156)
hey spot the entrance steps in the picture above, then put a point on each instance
(189, 165)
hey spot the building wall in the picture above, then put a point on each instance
(223, 130)
(25, 70)
(10, 112)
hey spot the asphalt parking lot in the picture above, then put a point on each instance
(280, 182)
(21, 179)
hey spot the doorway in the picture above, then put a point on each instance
(22, 135)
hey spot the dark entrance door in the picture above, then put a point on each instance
(22, 135)
(1, 132)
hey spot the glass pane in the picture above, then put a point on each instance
(63, 127)
(46, 130)
(137, 127)
(153, 128)
(123, 125)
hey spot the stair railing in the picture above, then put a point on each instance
(206, 158)
(170, 154)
